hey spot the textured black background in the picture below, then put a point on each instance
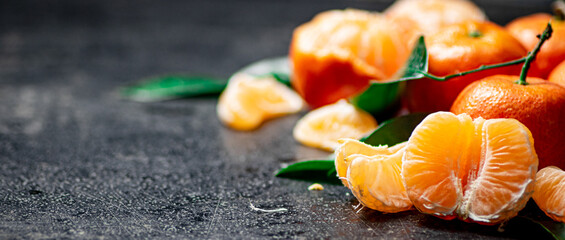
(78, 162)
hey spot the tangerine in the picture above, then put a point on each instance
(477, 170)
(557, 75)
(339, 52)
(323, 127)
(540, 105)
(373, 174)
(248, 101)
(549, 192)
(527, 28)
(458, 48)
(431, 15)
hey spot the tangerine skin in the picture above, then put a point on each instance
(526, 29)
(557, 75)
(454, 49)
(539, 105)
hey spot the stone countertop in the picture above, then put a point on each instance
(76, 161)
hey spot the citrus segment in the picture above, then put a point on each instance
(478, 170)
(248, 101)
(373, 175)
(323, 127)
(338, 52)
(549, 192)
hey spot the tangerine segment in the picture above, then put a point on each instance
(549, 192)
(478, 170)
(350, 147)
(247, 101)
(373, 175)
(323, 127)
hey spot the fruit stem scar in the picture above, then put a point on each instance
(532, 55)
(559, 10)
(475, 34)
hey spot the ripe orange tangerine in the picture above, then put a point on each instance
(549, 192)
(431, 15)
(557, 75)
(323, 127)
(526, 29)
(248, 101)
(540, 105)
(373, 174)
(458, 48)
(477, 170)
(338, 52)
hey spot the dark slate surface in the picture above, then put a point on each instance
(78, 162)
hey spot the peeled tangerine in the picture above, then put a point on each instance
(373, 174)
(248, 101)
(477, 170)
(338, 53)
(323, 127)
(549, 192)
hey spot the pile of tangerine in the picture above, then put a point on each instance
(477, 163)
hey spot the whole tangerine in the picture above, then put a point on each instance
(458, 48)
(557, 75)
(339, 52)
(526, 29)
(429, 16)
(539, 105)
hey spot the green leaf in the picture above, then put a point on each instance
(383, 97)
(379, 99)
(312, 170)
(171, 87)
(417, 62)
(395, 130)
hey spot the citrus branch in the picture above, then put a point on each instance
(526, 60)
(481, 68)
(532, 55)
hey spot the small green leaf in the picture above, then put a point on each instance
(171, 87)
(417, 62)
(395, 130)
(312, 170)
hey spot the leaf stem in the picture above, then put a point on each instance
(527, 60)
(532, 55)
(481, 68)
